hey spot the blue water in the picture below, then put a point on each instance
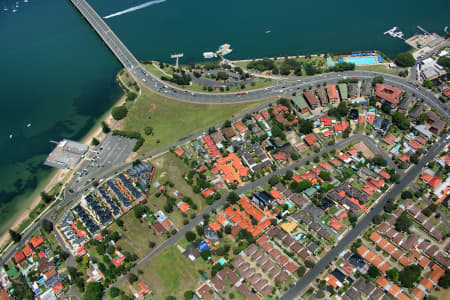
(222, 261)
(58, 75)
(361, 61)
(289, 204)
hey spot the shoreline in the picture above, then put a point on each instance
(58, 174)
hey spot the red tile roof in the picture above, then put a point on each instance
(332, 92)
(240, 127)
(19, 256)
(37, 241)
(208, 192)
(435, 182)
(310, 139)
(326, 121)
(57, 288)
(389, 93)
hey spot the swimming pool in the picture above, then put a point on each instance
(289, 204)
(360, 61)
(222, 261)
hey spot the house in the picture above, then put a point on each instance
(231, 169)
(405, 104)
(183, 206)
(191, 252)
(217, 137)
(19, 257)
(143, 290)
(312, 100)
(332, 94)
(262, 199)
(240, 127)
(255, 158)
(366, 88)
(436, 123)
(413, 116)
(229, 132)
(343, 91)
(388, 93)
(300, 104)
(311, 140)
(210, 234)
(322, 96)
(353, 90)
(179, 152)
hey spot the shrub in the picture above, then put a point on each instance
(119, 112)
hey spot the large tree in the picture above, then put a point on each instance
(405, 59)
(119, 112)
(409, 275)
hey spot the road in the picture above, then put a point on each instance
(362, 225)
(138, 72)
(243, 189)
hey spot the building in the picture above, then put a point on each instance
(322, 96)
(262, 199)
(405, 104)
(388, 93)
(300, 104)
(413, 116)
(353, 90)
(366, 89)
(66, 154)
(312, 100)
(343, 91)
(435, 122)
(332, 94)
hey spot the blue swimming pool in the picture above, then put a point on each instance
(289, 204)
(360, 61)
(222, 261)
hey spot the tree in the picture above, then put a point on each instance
(377, 79)
(119, 112)
(15, 236)
(373, 272)
(444, 61)
(342, 109)
(428, 84)
(46, 197)
(94, 290)
(393, 274)
(47, 225)
(325, 175)
(132, 278)
(188, 295)
(405, 59)
(233, 198)
(190, 236)
(386, 107)
(406, 194)
(274, 180)
(95, 142)
(114, 292)
(373, 101)
(409, 275)
(305, 126)
(379, 160)
(444, 281)
(403, 222)
(288, 175)
(346, 132)
(301, 271)
(356, 245)
(309, 264)
(131, 96)
(400, 120)
(389, 206)
(377, 219)
(105, 127)
(148, 130)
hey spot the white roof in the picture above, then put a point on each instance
(443, 53)
(428, 61)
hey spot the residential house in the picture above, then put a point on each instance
(366, 88)
(353, 90)
(300, 104)
(343, 91)
(312, 100)
(322, 96)
(413, 116)
(388, 93)
(405, 104)
(435, 122)
(332, 94)
(262, 199)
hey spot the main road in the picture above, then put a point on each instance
(362, 225)
(135, 68)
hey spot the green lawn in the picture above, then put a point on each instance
(259, 84)
(172, 120)
(380, 68)
(170, 274)
(155, 71)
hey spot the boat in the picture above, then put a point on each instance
(29, 125)
(14, 10)
(10, 136)
(446, 28)
(224, 50)
(268, 31)
(209, 54)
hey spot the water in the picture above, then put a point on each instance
(361, 61)
(58, 76)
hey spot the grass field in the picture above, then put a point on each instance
(172, 120)
(380, 68)
(155, 71)
(259, 84)
(170, 274)
(170, 168)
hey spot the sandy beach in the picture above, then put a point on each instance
(95, 132)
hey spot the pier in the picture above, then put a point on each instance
(423, 30)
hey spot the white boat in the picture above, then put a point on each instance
(209, 54)
(10, 136)
(14, 10)
(29, 125)
(268, 31)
